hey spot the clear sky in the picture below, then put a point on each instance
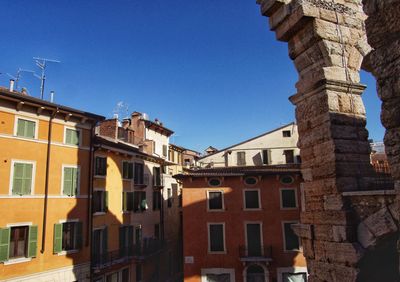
(210, 70)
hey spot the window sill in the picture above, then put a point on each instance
(216, 210)
(251, 209)
(293, 251)
(127, 179)
(63, 253)
(100, 176)
(25, 137)
(99, 213)
(17, 260)
(217, 253)
(293, 208)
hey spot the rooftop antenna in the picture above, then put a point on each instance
(18, 76)
(42, 64)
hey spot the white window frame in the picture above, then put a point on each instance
(209, 239)
(33, 163)
(18, 260)
(208, 203)
(261, 233)
(102, 190)
(29, 119)
(72, 220)
(259, 199)
(65, 136)
(78, 190)
(281, 198)
(284, 236)
(205, 271)
(133, 170)
(296, 269)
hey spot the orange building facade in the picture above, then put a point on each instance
(44, 192)
(237, 224)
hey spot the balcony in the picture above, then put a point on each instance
(251, 254)
(100, 261)
(147, 248)
(158, 182)
(141, 181)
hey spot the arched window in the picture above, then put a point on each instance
(255, 273)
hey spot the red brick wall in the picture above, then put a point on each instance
(109, 128)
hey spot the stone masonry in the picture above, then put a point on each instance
(327, 42)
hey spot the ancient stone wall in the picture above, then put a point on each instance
(327, 42)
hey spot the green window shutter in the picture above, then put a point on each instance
(75, 180)
(30, 129)
(68, 136)
(68, 179)
(106, 201)
(130, 235)
(4, 244)
(75, 137)
(57, 243)
(124, 201)
(131, 195)
(18, 179)
(27, 179)
(122, 240)
(79, 235)
(130, 167)
(105, 241)
(32, 243)
(21, 128)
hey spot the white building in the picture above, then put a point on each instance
(278, 146)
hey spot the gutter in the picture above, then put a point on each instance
(89, 205)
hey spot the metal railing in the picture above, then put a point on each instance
(261, 252)
(141, 181)
(383, 176)
(112, 257)
(147, 247)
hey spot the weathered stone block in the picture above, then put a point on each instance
(364, 236)
(380, 223)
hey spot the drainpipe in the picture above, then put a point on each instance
(46, 185)
(89, 205)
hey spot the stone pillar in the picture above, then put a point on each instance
(327, 43)
(383, 31)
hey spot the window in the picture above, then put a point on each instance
(26, 128)
(215, 182)
(286, 133)
(169, 197)
(67, 236)
(250, 180)
(289, 156)
(139, 201)
(101, 166)
(286, 179)
(100, 246)
(127, 201)
(119, 276)
(72, 136)
(223, 277)
(215, 200)
(100, 201)
(18, 242)
(251, 199)
(157, 178)
(241, 158)
(70, 181)
(126, 240)
(165, 150)
(22, 179)
(127, 170)
(156, 200)
(216, 240)
(291, 241)
(266, 157)
(139, 174)
(294, 277)
(138, 272)
(288, 198)
(218, 275)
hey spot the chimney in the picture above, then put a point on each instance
(12, 81)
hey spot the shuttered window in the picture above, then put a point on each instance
(67, 236)
(22, 179)
(100, 201)
(216, 238)
(165, 150)
(288, 198)
(139, 201)
(127, 201)
(156, 200)
(127, 170)
(251, 199)
(215, 200)
(71, 136)
(126, 240)
(291, 239)
(241, 158)
(266, 157)
(26, 128)
(139, 174)
(100, 166)
(70, 181)
(18, 242)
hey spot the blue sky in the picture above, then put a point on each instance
(210, 70)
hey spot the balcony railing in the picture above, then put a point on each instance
(264, 253)
(158, 181)
(141, 181)
(111, 258)
(147, 248)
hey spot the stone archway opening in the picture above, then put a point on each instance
(380, 262)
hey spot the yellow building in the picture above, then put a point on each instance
(44, 193)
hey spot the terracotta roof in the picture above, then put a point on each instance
(240, 171)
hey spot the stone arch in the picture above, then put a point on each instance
(260, 266)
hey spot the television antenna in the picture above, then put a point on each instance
(42, 64)
(18, 76)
